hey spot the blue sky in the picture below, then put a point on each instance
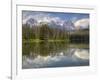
(70, 16)
(63, 16)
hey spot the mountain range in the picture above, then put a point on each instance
(62, 24)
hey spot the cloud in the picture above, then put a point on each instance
(42, 17)
(37, 16)
(82, 23)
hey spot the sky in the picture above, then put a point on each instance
(79, 19)
(63, 16)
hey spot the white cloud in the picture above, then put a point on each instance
(82, 23)
(43, 17)
(37, 16)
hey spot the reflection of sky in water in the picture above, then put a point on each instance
(70, 57)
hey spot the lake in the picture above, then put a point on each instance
(54, 54)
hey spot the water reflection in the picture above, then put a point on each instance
(53, 54)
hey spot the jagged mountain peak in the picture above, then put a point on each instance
(67, 25)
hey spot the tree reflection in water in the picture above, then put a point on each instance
(53, 54)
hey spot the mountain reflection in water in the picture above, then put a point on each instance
(53, 54)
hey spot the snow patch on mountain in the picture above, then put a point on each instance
(56, 22)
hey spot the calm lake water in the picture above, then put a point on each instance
(54, 54)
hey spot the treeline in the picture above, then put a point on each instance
(43, 32)
(80, 36)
